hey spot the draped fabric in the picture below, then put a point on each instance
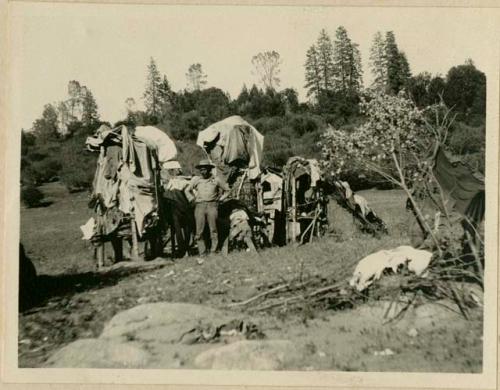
(126, 181)
(466, 191)
(233, 142)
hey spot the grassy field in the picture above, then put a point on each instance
(77, 302)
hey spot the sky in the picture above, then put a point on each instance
(107, 47)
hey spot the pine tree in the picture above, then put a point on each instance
(151, 94)
(398, 69)
(347, 70)
(378, 63)
(324, 49)
(404, 70)
(165, 96)
(90, 114)
(313, 73)
(196, 79)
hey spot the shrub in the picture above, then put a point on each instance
(467, 139)
(268, 124)
(31, 196)
(303, 124)
(78, 165)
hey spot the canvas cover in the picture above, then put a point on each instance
(233, 141)
(156, 138)
(125, 181)
(461, 186)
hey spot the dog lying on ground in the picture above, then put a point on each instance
(371, 267)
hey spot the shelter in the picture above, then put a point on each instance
(235, 147)
(304, 199)
(126, 187)
(233, 142)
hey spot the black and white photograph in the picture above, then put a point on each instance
(252, 188)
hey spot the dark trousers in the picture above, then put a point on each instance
(206, 212)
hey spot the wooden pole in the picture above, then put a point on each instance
(294, 211)
(135, 242)
(100, 255)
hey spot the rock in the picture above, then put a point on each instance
(99, 353)
(160, 322)
(250, 355)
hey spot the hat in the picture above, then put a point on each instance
(205, 163)
(171, 165)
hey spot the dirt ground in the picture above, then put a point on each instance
(76, 302)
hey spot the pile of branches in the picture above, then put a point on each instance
(303, 294)
(445, 281)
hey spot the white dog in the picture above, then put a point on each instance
(371, 267)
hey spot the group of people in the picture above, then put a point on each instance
(206, 191)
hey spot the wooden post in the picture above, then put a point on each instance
(100, 255)
(294, 211)
(135, 242)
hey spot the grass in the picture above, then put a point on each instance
(78, 302)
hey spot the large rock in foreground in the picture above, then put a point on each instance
(250, 355)
(98, 353)
(161, 322)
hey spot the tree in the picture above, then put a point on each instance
(378, 63)
(267, 68)
(165, 96)
(196, 79)
(346, 64)
(418, 89)
(465, 90)
(399, 143)
(436, 89)
(74, 93)
(45, 128)
(324, 48)
(404, 69)
(398, 69)
(256, 104)
(151, 94)
(90, 115)
(290, 99)
(313, 73)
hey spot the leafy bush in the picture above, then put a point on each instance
(268, 124)
(303, 124)
(43, 171)
(78, 165)
(31, 196)
(466, 139)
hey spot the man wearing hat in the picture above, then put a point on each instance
(207, 190)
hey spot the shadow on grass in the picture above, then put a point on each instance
(41, 204)
(45, 287)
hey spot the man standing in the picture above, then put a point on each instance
(207, 190)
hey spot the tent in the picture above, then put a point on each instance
(233, 142)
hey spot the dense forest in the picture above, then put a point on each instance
(53, 149)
